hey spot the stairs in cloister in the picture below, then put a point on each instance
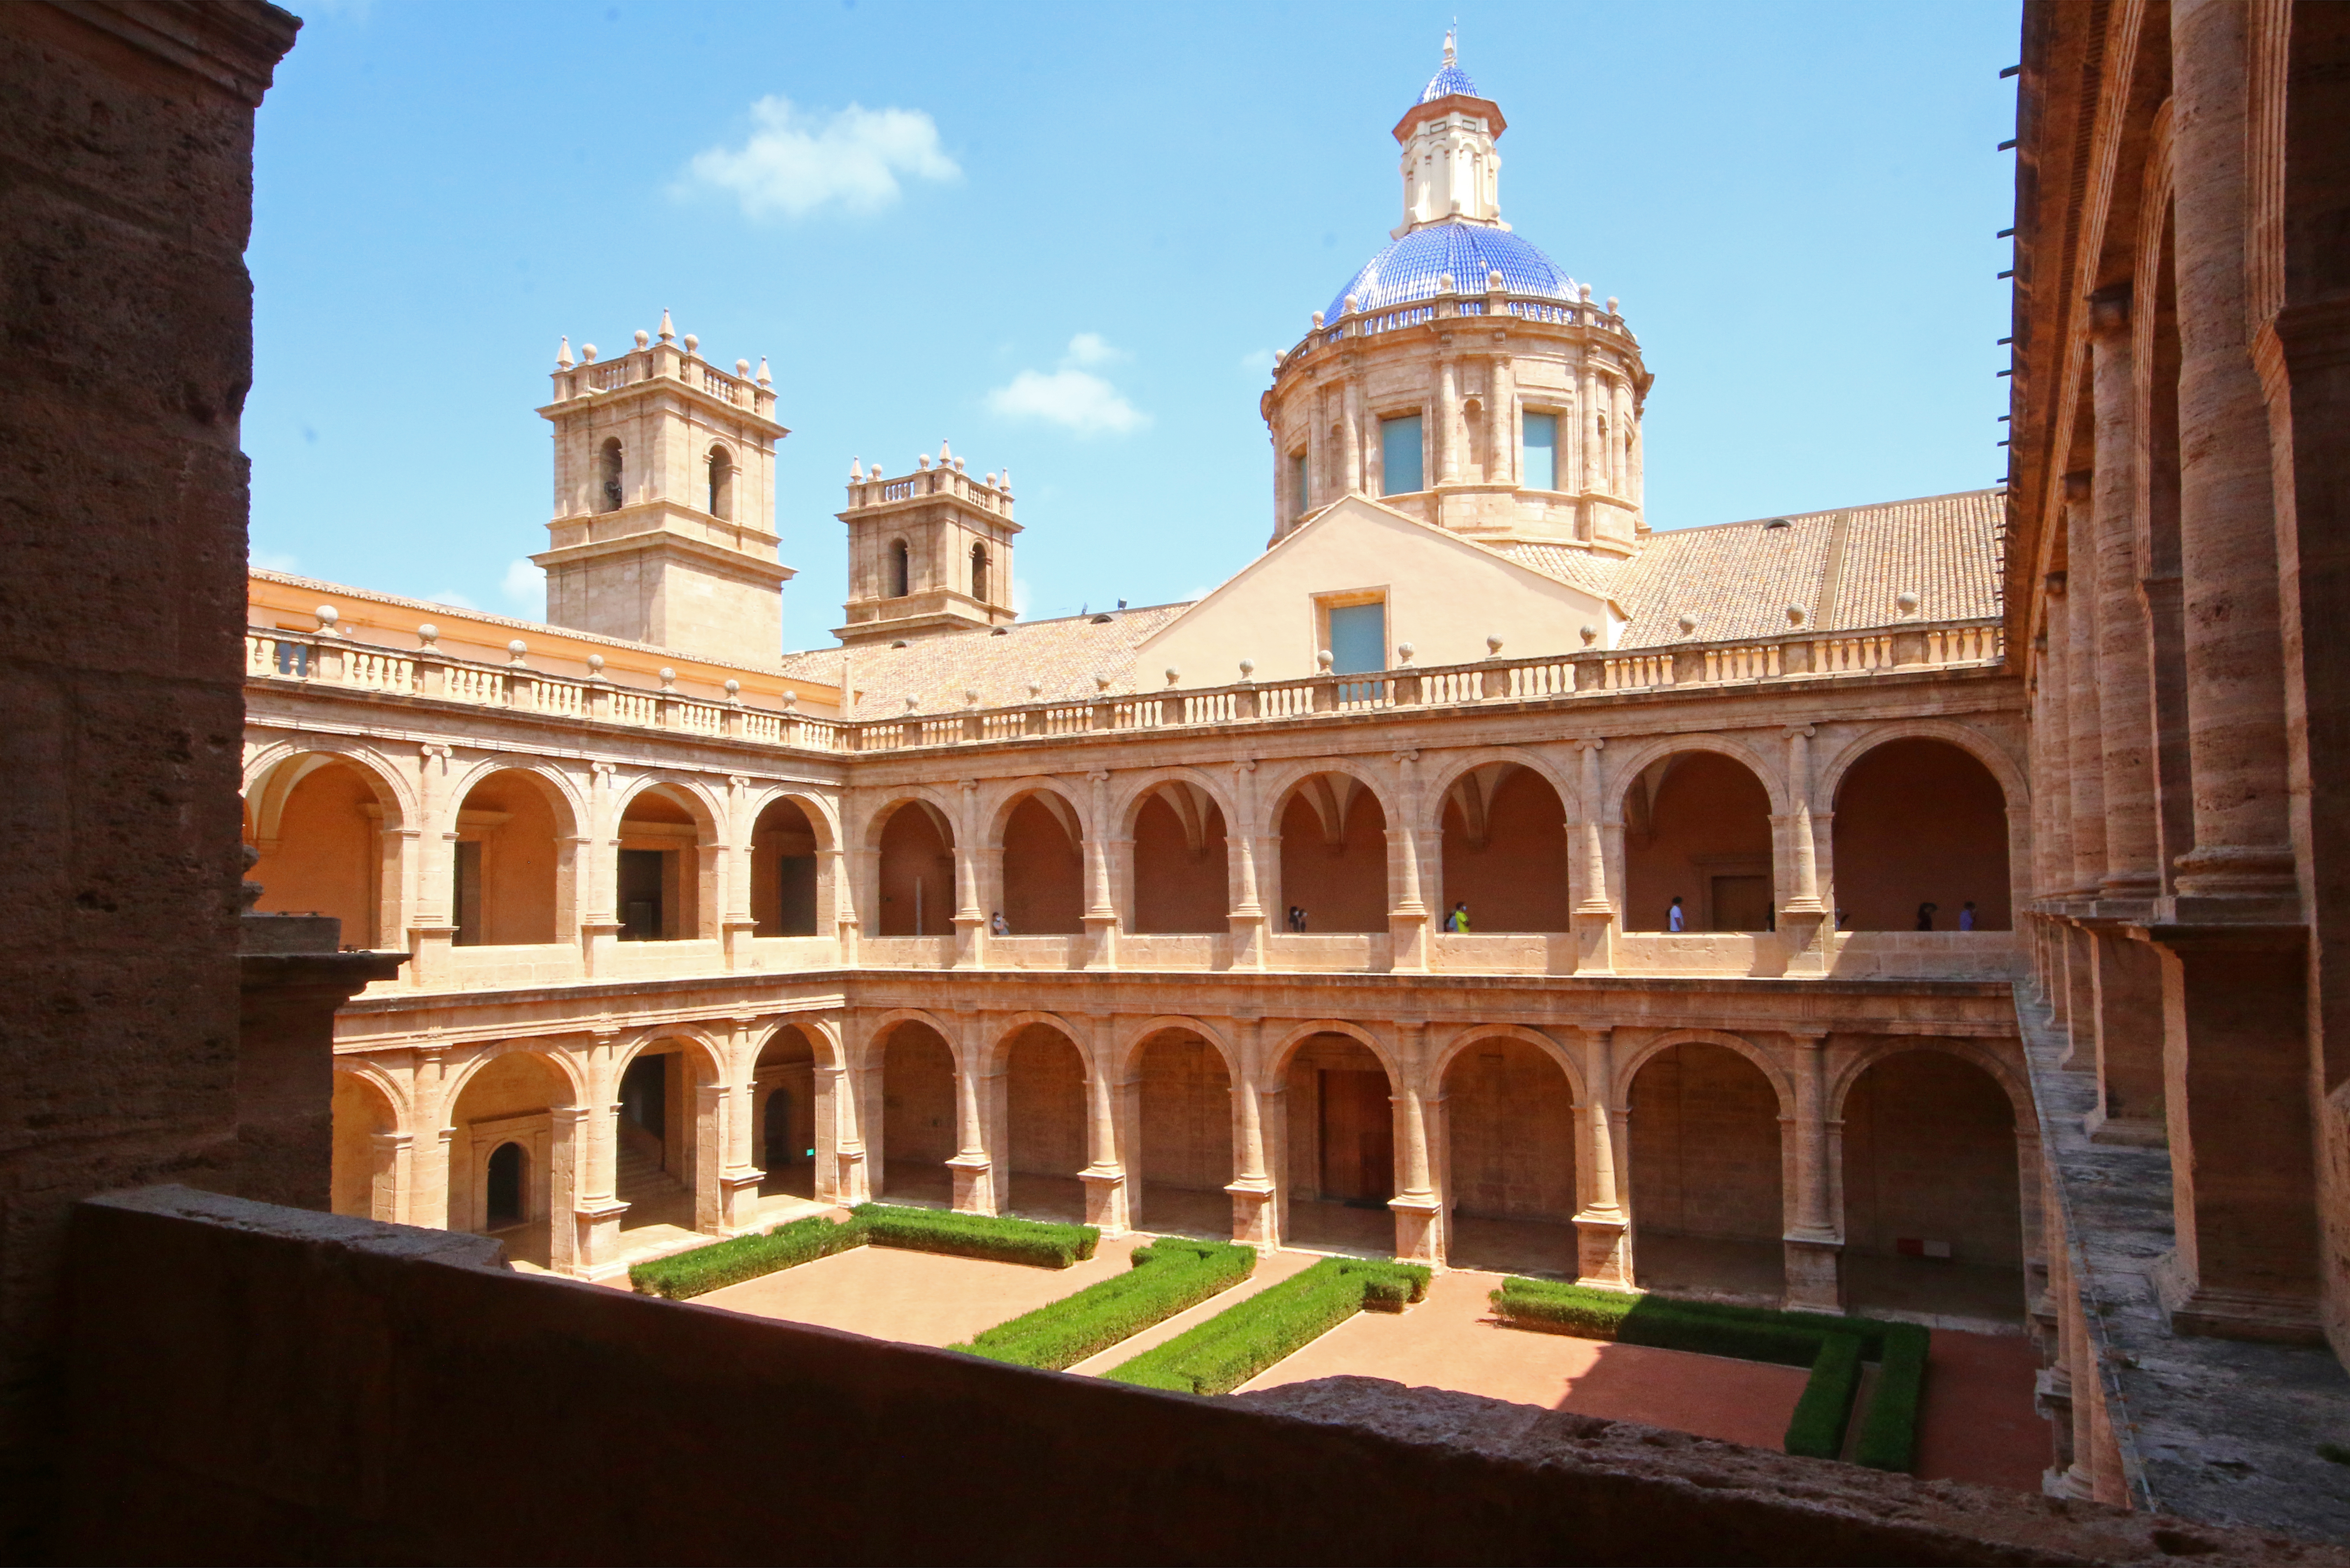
(654, 1196)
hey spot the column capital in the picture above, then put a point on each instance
(1591, 744)
(1800, 731)
(1099, 776)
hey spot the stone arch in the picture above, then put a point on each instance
(668, 829)
(1133, 792)
(1622, 770)
(691, 794)
(349, 825)
(1699, 818)
(1275, 786)
(912, 860)
(1918, 819)
(1501, 818)
(1034, 850)
(880, 1027)
(788, 838)
(1707, 1158)
(722, 471)
(671, 1149)
(1630, 1067)
(1288, 1045)
(1931, 1144)
(708, 1054)
(1332, 861)
(1180, 826)
(369, 1113)
(2004, 1074)
(1505, 1102)
(913, 1117)
(1176, 1083)
(1032, 1086)
(822, 811)
(544, 1110)
(1127, 1058)
(993, 1052)
(562, 792)
(463, 1073)
(2015, 784)
(823, 1039)
(793, 1115)
(1335, 1142)
(1471, 1035)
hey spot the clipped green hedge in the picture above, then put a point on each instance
(1816, 1428)
(1220, 1354)
(998, 1237)
(1889, 1433)
(1832, 1348)
(730, 1262)
(1169, 1277)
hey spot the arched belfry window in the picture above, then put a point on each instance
(898, 569)
(722, 484)
(608, 476)
(979, 572)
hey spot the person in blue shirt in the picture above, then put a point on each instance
(1675, 919)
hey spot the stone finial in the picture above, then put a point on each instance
(1353, 304)
(428, 634)
(668, 680)
(1583, 292)
(791, 699)
(856, 469)
(668, 333)
(1248, 669)
(563, 354)
(594, 667)
(1323, 659)
(692, 343)
(971, 697)
(1908, 603)
(923, 462)
(516, 650)
(1493, 280)
(990, 479)
(946, 453)
(765, 379)
(1590, 634)
(586, 353)
(874, 473)
(1403, 652)
(1611, 304)
(1688, 623)
(742, 368)
(328, 616)
(958, 465)
(1005, 481)
(1101, 681)
(1317, 319)
(912, 703)
(1796, 615)
(1035, 690)
(643, 337)
(1444, 282)
(733, 690)
(1494, 645)
(1173, 675)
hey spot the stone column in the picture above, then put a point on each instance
(969, 919)
(1813, 1246)
(1351, 448)
(1602, 1226)
(971, 1169)
(1408, 918)
(1108, 1202)
(1317, 448)
(1587, 449)
(2086, 737)
(1248, 920)
(2124, 659)
(1448, 424)
(2126, 989)
(847, 926)
(738, 1116)
(599, 875)
(1619, 436)
(736, 925)
(2051, 739)
(1418, 1213)
(1803, 920)
(1254, 1214)
(1595, 913)
(432, 928)
(1500, 423)
(428, 1193)
(595, 1160)
(1101, 908)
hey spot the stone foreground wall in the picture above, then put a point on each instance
(263, 1384)
(126, 158)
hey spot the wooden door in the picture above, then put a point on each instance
(1357, 1137)
(1741, 903)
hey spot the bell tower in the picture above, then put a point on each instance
(665, 500)
(929, 551)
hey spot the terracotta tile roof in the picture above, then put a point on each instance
(1575, 568)
(1737, 578)
(1063, 656)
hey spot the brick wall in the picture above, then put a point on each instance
(1047, 1086)
(1705, 1146)
(917, 1098)
(1511, 1117)
(1187, 1114)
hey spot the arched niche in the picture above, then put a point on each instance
(1707, 1180)
(1041, 869)
(1182, 1155)
(1334, 854)
(1920, 821)
(786, 871)
(1696, 827)
(918, 1130)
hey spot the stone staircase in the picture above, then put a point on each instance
(654, 1196)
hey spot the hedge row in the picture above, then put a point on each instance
(1169, 1277)
(1832, 1348)
(730, 1262)
(1220, 1354)
(997, 1237)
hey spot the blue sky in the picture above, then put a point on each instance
(1068, 239)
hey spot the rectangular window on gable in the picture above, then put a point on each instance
(1542, 452)
(1400, 468)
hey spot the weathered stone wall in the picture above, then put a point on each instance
(918, 1090)
(1046, 1083)
(1044, 874)
(125, 202)
(1510, 1113)
(1705, 1146)
(1929, 1152)
(1187, 1114)
(1175, 889)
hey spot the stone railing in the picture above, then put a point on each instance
(1461, 302)
(315, 659)
(988, 493)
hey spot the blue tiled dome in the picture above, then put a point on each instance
(1409, 269)
(1446, 82)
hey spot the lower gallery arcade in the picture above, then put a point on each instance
(1810, 1160)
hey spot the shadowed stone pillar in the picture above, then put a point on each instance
(2126, 978)
(2236, 1068)
(1595, 913)
(971, 1171)
(591, 1167)
(1814, 1249)
(1407, 920)
(1351, 447)
(2124, 659)
(433, 927)
(1108, 1203)
(1254, 1214)
(2051, 739)
(1448, 424)
(599, 875)
(1602, 1228)
(2086, 788)
(1101, 908)
(1418, 1213)
(736, 925)
(1500, 423)
(738, 1180)
(1803, 920)
(1246, 922)
(969, 919)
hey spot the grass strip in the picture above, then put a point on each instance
(1832, 1348)
(1169, 1277)
(1220, 1354)
(730, 1262)
(1889, 1433)
(1000, 1238)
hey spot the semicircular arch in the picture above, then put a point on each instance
(573, 1073)
(2014, 787)
(1135, 793)
(1629, 1068)
(2010, 1084)
(1131, 1046)
(997, 1054)
(1441, 780)
(1624, 770)
(562, 795)
(1476, 1033)
(1288, 1044)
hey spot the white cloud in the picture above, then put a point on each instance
(1071, 397)
(524, 586)
(795, 163)
(270, 560)
(452, 598)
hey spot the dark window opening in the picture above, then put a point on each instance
(644, 1095)
(466, 904)
(798, 902)
(898, 569)
(505, 1186)
(607, 474)
(642, 873)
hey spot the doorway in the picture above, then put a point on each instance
(1357, 1138)
(504, 1198)
(1741, 903)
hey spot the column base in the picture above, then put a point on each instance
(2131, 1132)
(1594, 941)
(1815, 1274)
(429, 948)
(737, 933)
(971, 942)
(596, 1226)
(598, 944)
(1805, 935)
(1419, 1229)
(1408, 943)
(1106, 1204)
(2211, 1312)
(1254, 1213)
(1101, 942)
(738, 1196)
(1247, 941)
(1603, 1251)
(975, 1183)
(852, 1184)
